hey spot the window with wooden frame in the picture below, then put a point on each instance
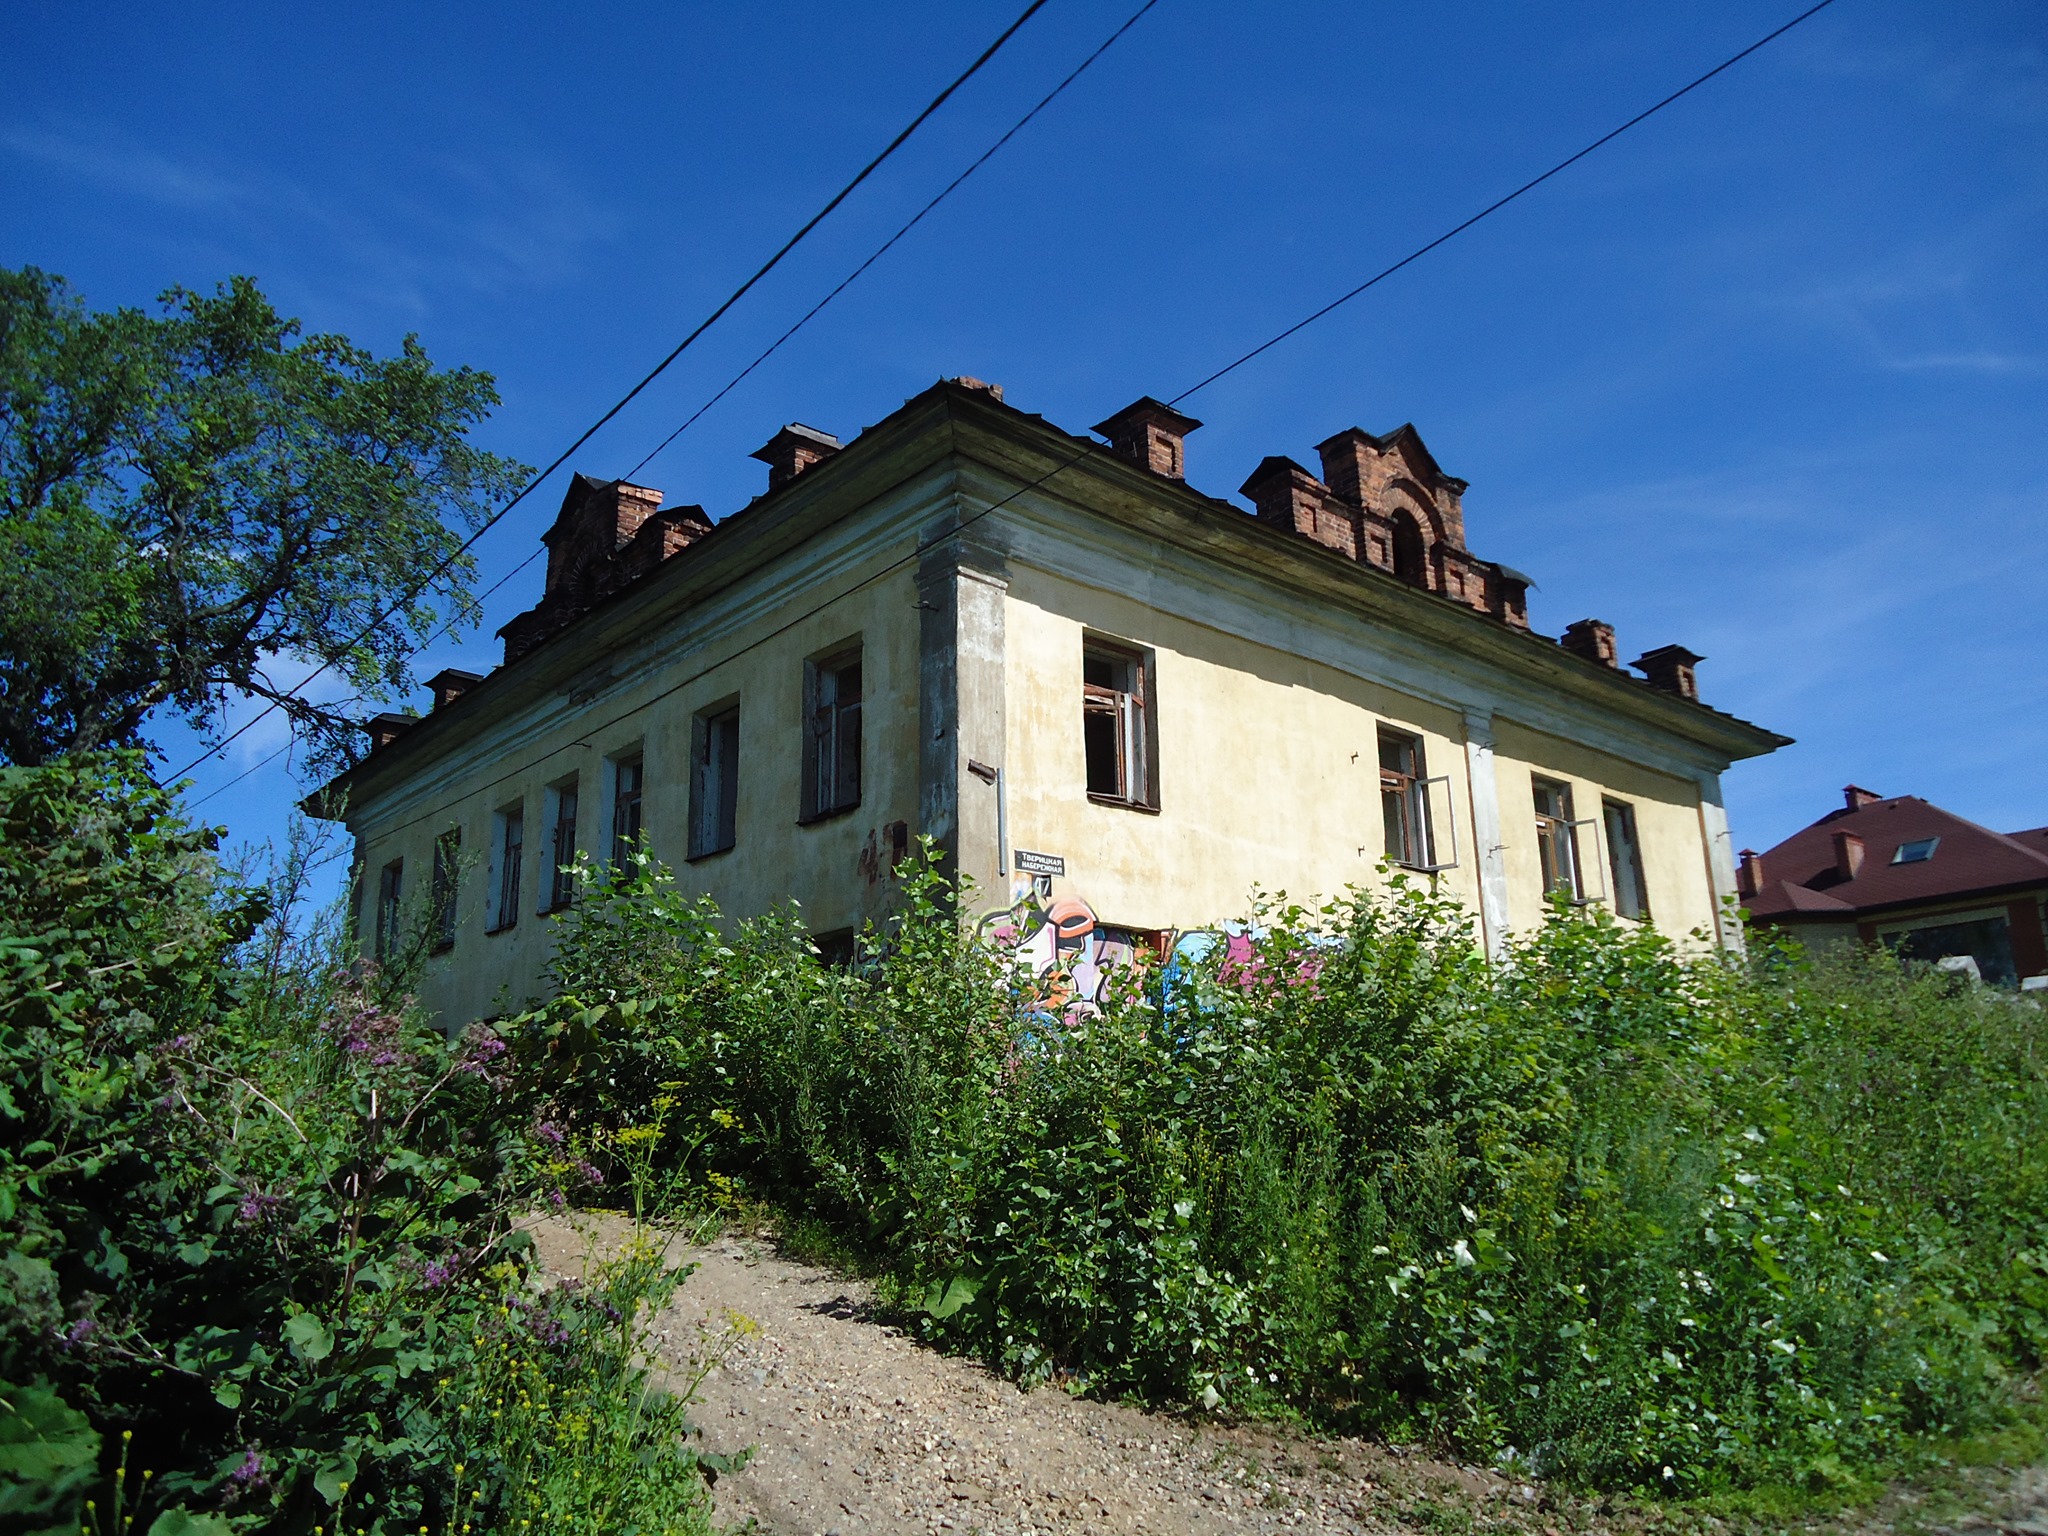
(1557, 842)
(390, 912)
(627, 779)
(558, 889)
(1404, 800)
(508, 853)
(714, 780)
(1625, 860)
(1117, 726)
(447, 872)
(832, 701)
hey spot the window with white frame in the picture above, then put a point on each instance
(1625, 860)
(832, 711)
(508, 859)
(714, 779)
(558, 885)
(447, 873)
(628, 777)
(390, 912)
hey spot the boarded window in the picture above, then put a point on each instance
(1116, 725)
(626, 786)
(1404, 800)
(1625, 860)
(390, 916)
(509, 852)
(832, 700)
(560, 885)
(1557, 839)
(714, 781)
(447, 872)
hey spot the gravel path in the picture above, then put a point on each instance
(858, 1430)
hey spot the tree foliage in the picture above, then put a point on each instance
(203, 502)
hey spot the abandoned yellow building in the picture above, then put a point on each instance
(1090, 684)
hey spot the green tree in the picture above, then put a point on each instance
(204, 502)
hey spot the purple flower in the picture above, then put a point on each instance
(78, 1333)
(479, 1049)
(589, 1171)
(440, 1272)
(257, 1207)
(249, 1475)
(549, 1132)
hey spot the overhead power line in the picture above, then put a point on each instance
(883, 249)
(654, 373)
(1090, 449)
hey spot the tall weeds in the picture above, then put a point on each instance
(1610, 1210)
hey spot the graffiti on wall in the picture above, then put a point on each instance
(1078, 960)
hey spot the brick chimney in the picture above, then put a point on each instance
(1855, 797)
(1286, 495)
(1669, 668)
(1848, 855)
(1150, 434)
(793, 450)
(451, 683)
(386, 728)
(1593, 640)
(1749, 876)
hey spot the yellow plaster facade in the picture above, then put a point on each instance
(970, 552)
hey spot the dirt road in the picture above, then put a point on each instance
(860, 1431)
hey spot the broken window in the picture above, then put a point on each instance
(390, 890)
(1625, 860)
(1404, 800)
(561, 846)
(832, 699)
(626, 782)
(714, 781)
(447, 871)
(1115, 729)
(1557, 844)
(509, 849)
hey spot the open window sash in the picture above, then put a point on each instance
(1439, 825)
(1584, 892)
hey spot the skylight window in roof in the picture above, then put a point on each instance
(1919, 851)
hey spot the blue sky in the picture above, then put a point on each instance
(1767, 377)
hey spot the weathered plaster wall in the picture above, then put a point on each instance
(1269, 776)
(1675, 855)
(831, 867)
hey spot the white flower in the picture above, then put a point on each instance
(1462, 1254)
(1470, 1214)
(1879, 1257)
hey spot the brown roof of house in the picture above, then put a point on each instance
(1801, 877)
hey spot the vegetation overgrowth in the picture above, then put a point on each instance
(1616, 1211)
(259, 1261)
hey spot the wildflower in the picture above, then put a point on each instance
(257, 1207)
(248, 1477)
(78, 1333)
(440, 1272)
(1462, 1252)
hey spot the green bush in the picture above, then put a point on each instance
(257, 1224)
(1610, 1210)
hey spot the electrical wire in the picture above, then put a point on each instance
(883, 249)
(1089, 449)
(659, 368)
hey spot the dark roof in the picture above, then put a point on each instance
(1801, 878)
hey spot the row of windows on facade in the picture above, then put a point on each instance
(1406, 794)
(1118, 730)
